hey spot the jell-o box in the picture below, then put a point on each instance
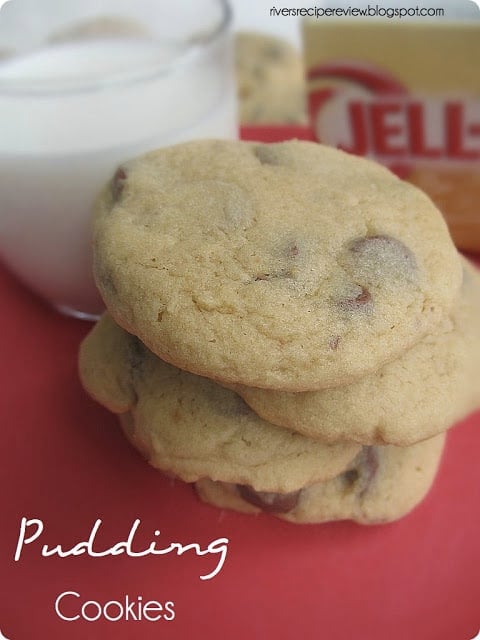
(405, 91)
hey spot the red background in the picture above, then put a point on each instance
(64, 460)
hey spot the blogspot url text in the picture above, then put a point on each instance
(370, 11)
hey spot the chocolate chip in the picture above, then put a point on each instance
(334, 342)
(361, 475)
(267, 154)
(268, 501)
(351, 476)
(385, 249)
(369, 467)
(359, 301)
(118, 182)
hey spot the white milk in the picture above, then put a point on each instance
(69, 114)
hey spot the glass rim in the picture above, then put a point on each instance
(48, 87)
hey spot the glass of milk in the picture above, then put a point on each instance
(83, 87)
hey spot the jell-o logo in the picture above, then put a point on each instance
(368, 112)
(407, 94)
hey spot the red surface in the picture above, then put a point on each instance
(276, 133)
(64, 461)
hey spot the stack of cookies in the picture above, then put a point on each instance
(288, 326)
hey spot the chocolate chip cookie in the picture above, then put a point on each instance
(423, 392)
(191, 427)
(288, 266)
(381, 485)
(270, 80)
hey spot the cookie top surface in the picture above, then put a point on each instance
(423, 392)
(270, 80)
(191, 427)
(291, 266)
(381, 485)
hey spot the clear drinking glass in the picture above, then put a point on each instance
(83, 87)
